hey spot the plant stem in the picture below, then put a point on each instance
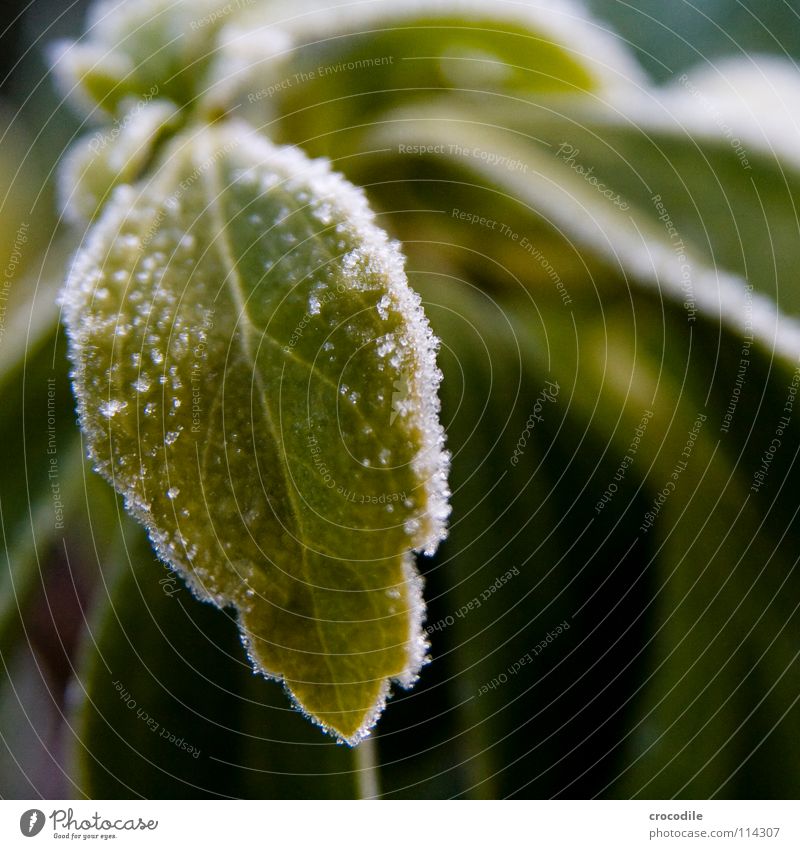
(368, 780)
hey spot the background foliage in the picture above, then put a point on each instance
(678, 674)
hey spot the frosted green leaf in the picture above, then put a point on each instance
(321, 70)
(144, 49)
(337, 59)
(255, 376)
(461, 44)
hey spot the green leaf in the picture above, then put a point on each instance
(598, 237)
(713, 170)
(140, 50)
(318, 68)
(255, 376)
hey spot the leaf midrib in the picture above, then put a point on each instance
(212, 182)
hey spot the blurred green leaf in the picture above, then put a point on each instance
(673, 161)
(308, 74)
(669, 37)
(677, 601)
(535, 212)
(137, 51)
(42, 464)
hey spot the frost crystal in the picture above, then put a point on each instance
(109, 409)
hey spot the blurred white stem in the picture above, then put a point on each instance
(367, 765)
